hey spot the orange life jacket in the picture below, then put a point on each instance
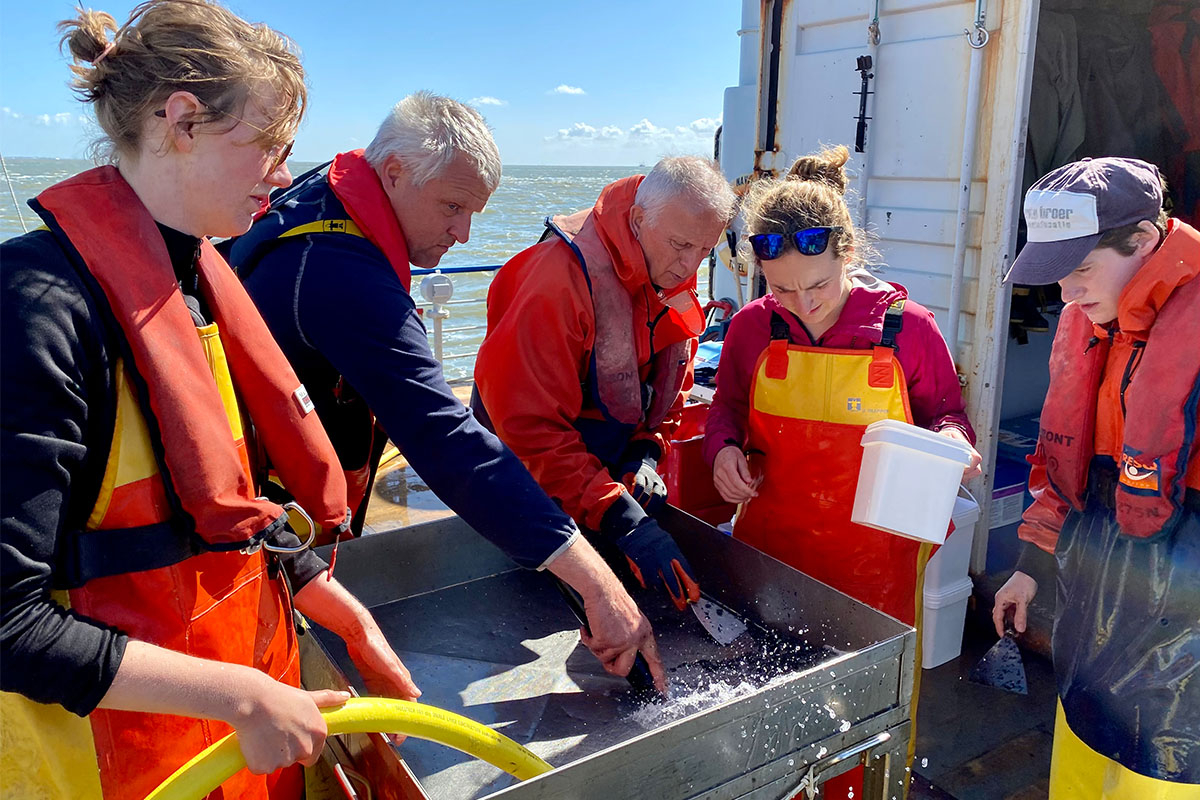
(1159, 394)
(178, 470)
(614, 378)
(208, 472)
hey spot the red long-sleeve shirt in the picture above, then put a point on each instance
(935, 396)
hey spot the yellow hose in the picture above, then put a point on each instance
(214, 766)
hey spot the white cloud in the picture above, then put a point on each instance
(60, 120)
(562, 88)
(580, 130)
(487, 101)
(648, 130)
(696, 135)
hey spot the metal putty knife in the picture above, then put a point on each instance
(721, 623)
(1002, 667)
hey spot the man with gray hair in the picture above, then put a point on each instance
(328, 266)
(588, 355)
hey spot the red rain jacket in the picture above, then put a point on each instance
(533, 367)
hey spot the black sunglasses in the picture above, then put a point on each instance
(808, 242)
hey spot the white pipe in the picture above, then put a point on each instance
(748, 44)
(966, 174)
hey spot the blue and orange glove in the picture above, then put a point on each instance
(639, 474)
(652, 554)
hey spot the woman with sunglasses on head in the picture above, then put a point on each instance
(145, 610)
(830, 349)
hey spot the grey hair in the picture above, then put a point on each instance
(697, 180)
(425, 130)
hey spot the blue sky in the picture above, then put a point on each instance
(607, 82)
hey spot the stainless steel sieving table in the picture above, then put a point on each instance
(820, 683)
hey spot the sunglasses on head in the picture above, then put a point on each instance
(808, 242)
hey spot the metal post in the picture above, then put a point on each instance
(437, 289)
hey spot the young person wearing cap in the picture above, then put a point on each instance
(1116, 481)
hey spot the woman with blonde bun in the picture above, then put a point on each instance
(830, 349)
(147, 590)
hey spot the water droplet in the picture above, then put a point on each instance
(743, 734)
(845, 726)
(822, 752)
(924, 763)
(791, 762)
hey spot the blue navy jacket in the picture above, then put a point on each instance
(341, 315)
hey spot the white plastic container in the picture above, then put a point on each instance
(942, 625)
(950, 563)
(908, 480)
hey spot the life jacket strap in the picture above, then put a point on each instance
(116, 551)
(325, 226)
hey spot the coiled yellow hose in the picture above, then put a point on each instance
(212, 767)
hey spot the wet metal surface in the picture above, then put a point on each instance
(816, 673)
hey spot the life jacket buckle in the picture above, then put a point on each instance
(312, 532)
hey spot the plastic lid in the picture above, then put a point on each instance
(893, 431)
(954, 593)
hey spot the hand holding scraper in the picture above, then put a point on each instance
(1002, 666)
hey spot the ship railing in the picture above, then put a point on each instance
(436, 290)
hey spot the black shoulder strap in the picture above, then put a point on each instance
(779, 328)
(893, 321)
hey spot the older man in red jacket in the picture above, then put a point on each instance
(587, 359)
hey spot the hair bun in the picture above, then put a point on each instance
(86, 36)
(826, 166)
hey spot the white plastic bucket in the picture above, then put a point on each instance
(942, 623)
(908, 480)
(949, 564)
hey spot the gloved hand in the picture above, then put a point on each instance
(639, 474)
(653, 554)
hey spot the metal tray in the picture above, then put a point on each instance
(821, 683)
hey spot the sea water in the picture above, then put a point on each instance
(512, 221)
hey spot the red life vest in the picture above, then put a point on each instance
(356, 184)
(178, 462)
(616, 386)
(1161, 392)
(359, 208)
(207, 472)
